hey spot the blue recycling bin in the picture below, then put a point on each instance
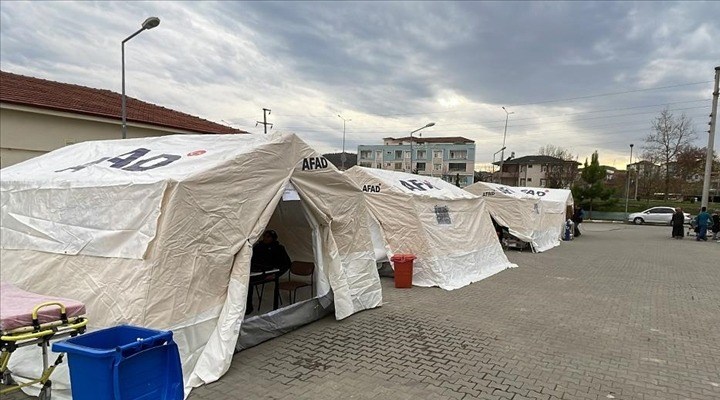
(123, 363)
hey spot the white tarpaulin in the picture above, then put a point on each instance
(534, 215)
(446, 227)
(158, 232)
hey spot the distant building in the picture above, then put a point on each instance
(336, 159)
(38, 116)
(538, 171)
(448, 158)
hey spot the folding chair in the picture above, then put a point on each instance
(299, 268)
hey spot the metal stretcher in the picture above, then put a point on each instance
(28, 319)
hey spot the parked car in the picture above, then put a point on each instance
(655, 215)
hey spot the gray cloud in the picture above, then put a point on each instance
(391, 67)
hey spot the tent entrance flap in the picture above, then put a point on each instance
(296, 232)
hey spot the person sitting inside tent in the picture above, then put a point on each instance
(268, 254)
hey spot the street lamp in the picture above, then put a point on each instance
(342, 156)
(149, 23)
(411, 143)
(493, 163)
(502, 156)
(627, 190)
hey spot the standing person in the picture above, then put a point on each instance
(578, 219)
(703, 220)
(268, 254)
(678, 219)
(716, 225)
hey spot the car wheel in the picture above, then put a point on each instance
(638, 221)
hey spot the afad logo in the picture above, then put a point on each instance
(312, 163)
(539, 193)
(414, 184)
(132, 161)
(371, 188)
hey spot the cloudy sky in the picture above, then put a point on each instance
(580, 75)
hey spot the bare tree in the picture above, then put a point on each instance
(563, 174)
(669, 136)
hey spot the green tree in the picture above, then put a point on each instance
(592, 185)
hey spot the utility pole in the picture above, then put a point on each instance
(627, 186)
(343, 157)
(711, 141)
(266, 112)
(502, 155)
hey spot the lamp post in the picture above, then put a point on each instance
(149, 23)
(502, 156)
(342, 156)
(627, 184)
(411, 143)
(493, 163)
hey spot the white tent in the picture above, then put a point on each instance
(446, 227)
(158, 232)
(534, 215)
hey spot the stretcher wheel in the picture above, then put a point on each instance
(7, 378)
(46, 391)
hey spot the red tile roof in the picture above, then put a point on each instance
(448, 139)
(41, 93)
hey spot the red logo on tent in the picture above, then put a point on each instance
(196, 153)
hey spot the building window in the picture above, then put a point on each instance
(366, 154)
(530, 166)
(522, 181)
(543, 182)
(458, 154)
(457, 167)
(388, 165)
(398, 154)
(437, 167)
(407, 154)
(505, 168)
(378, 154)
(544, 168)
(529, 180)
(421, 154)
(398, 166)
(438, 154)
(366, 164)
(420, 166)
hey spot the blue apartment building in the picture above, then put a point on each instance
(448, 158)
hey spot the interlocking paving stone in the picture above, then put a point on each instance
(622, 312)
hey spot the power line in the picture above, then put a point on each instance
(522, 104)
(480, 129)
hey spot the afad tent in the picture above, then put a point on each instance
(533, 215)
(445, 227)
(158, 232)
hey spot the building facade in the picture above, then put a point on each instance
(449, 158)
(38, 116)
(537, 171)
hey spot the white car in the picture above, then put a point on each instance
(655, 215)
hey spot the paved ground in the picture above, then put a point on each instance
(623, 312)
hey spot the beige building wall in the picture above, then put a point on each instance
(27, 132)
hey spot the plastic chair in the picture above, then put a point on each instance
(298, 268)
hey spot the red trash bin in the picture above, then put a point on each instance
(403, 264)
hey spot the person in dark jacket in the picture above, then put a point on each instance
(678, 219)
(577, 219)
(268, 254)
(715, 227)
